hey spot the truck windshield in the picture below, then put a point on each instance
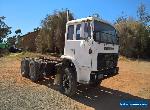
(104, 33)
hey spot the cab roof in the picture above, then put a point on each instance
(88, 19)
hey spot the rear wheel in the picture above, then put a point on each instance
(68, 81)
(25, 67)
(35, 72)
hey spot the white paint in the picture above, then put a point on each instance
(78, 50)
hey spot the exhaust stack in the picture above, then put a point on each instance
(67, 15)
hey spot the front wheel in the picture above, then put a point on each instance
(68, 81)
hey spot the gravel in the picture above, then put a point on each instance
(18, 93)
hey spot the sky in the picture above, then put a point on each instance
(27, 14)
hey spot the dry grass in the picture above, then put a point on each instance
(18, 93)
(133, 78)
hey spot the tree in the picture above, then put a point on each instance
(144, 33)
(11, 40)
(143, 15)
(134, 34)
(18, 37)
(18, 31)
(36, 29)
(52, 33)
(4, 29)
(127, 33)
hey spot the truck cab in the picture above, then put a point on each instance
(91, 44)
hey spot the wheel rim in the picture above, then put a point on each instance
(66, 83)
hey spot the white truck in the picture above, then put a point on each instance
(90, 54)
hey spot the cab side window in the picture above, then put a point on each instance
(87, 29)
(82, 34)
(70, 32)
(78, 32)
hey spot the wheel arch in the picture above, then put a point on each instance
(67, 59)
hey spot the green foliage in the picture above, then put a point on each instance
(134, 35)
(51, 37)
(3, 45)
(4, 29)
(17, 38)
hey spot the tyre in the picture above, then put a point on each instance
(68, 81)
(25, 67)
(35, 73)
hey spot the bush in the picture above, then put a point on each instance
(51, 37)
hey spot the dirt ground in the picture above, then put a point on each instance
(18, 93)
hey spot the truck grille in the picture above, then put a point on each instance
(106, 60)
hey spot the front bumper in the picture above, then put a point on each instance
(103, 74)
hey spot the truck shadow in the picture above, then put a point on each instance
(102, 98)
(99, 98)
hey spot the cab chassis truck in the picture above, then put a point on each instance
(90, 55)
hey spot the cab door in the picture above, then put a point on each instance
(77, 44)
(82, 45)
(69, 49)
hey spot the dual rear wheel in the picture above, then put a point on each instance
(35, 72)
(32, 69)
(25, 67)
